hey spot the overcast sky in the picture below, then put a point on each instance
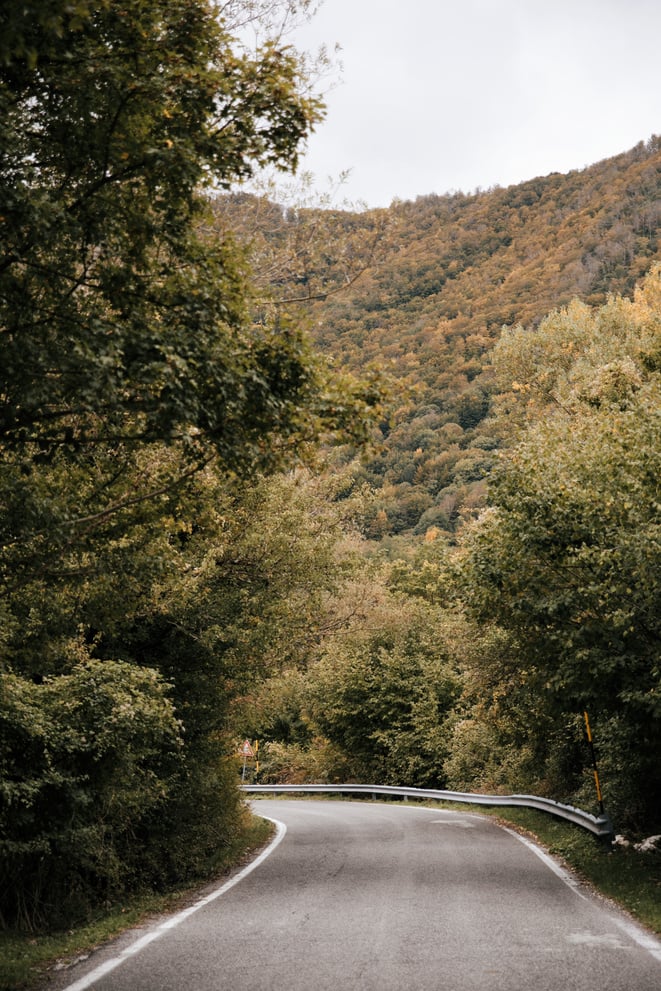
(441, 95)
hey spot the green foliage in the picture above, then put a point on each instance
(85, 756)
(384, 695)
(316, 760)
(258, 569)
(249, 592)
(236, 583)
(28, 958)
(374, 700)
(125, 325)
(133, 378)
(120, 321)
(567, 558)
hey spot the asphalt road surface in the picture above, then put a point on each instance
(362, 896)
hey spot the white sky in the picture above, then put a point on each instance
(441, 95)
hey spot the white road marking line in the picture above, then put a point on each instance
(632, 930)
(459, 823)
(644, 939)
(559, 871)
(611, 941)
(175, 920)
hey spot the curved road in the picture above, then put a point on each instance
(372, 896)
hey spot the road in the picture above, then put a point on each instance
(363, 896)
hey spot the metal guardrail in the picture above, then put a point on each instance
(600, 826)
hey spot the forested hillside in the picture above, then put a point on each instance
(467, 661)
(442, 276)
(510, 575)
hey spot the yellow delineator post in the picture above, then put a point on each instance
(594, 763)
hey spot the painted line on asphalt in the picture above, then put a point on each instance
(632, 929)
(644, 939)
(109, 965)
(559, 871)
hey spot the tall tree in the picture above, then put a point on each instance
(123, 324)
(119, 322)
(568, 556)
(128, 364)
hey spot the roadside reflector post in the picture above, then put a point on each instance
(595, 770)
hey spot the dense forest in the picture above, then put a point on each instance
(509, 518)
(435, 282)
(377, 488)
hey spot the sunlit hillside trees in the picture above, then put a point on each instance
(473, 657)
(447, 273)
(567, 559)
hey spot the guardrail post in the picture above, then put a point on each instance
(608, 836)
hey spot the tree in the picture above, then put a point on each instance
(120, 322)
(129, 360)
(123, 323)
(303, 248)
(84, 758)
(567, 557)
(130, 366)
(383, 694)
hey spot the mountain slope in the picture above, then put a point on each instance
(452, 271)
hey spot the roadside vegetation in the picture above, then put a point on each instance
(27, 959)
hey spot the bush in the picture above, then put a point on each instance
(84, 758)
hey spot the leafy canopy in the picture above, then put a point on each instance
(130, 366)
(124, 324)
(567, 557)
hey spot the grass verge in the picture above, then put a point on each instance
(26, 958)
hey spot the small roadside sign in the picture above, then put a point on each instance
(246, 750)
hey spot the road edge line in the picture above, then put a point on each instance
(109, 965)
(630, 927)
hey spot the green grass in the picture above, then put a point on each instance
(26, 958)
